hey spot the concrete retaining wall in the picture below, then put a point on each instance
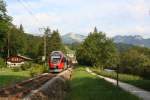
(54, 89)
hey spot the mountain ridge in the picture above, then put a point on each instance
(70, 38)
(137, 40)
(134, 40)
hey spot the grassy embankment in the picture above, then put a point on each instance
(85, 86)
(8, 77)
(131, 79)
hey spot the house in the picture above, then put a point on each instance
(72, 56)
(17, 61)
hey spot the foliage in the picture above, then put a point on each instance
(113, 75)
(136, 61)
(55, 42)
(2, 63)
(128, 78)
(18, 42)
(3, 11)
(5, 24)
(26, 66)
(34, 47)
(37, 69)
(73, 46)
(21, 28)
(97, 50)
(16, 69)
(121, 47)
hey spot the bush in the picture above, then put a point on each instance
(2, 63)
(26, 66)
(37, 69)
(122, 77)
(16, 69)
(135, 62)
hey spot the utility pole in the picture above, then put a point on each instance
(8, 41)
(8, 51)
(46, 32)
(44, 37)
(45, 47)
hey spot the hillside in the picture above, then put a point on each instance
(131, 40)
(72, 38)
(134, 40)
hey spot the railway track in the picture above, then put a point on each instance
(23, 88)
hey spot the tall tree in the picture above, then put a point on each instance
(5, 24)
(55, 42)
(95, 30)
(3, 11)
(21, 28)
(18, 42)
(97, 50)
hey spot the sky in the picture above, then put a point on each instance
(114, 17)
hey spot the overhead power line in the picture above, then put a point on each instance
(27, 7)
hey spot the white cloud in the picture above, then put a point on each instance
(112, 16)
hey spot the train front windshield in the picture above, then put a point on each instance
(55, 59)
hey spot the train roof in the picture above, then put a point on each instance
(57, 52)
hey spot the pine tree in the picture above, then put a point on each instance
(3, 12)
(18, 42)
(5, 24)
(95, 30)
(55, 42)
(21, 28)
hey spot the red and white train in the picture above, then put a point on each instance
(58, 61)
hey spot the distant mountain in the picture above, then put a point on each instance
(72, 38)
(134, 40)
(121, 47)
(131, 40)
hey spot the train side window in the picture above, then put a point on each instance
(64, 60)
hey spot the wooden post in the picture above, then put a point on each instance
(117, 75)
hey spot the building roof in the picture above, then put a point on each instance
(22, 58)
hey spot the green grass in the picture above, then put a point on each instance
(131, 79)
(85, 86)
(9, 77)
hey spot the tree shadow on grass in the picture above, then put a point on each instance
(144, 84)
(9, 80)
(87, 88)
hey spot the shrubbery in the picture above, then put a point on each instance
(2, 63)
(34, 69)
(136, 61)
(26, 66)
(23, 67)
(37, 69)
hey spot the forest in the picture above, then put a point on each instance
(14, 38)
